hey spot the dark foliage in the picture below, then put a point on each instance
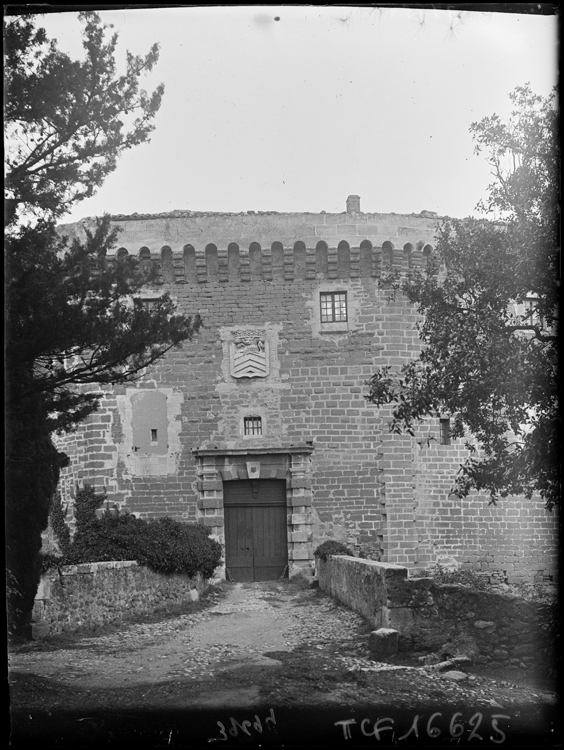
(68, 121)
(332, 547)
(32, 473)
(488, 300)
(163, 545)
(87, 502)
(71, 324)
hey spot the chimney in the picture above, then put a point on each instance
(353, 204)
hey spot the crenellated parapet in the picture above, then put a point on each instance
(241, 264)
(197, 248)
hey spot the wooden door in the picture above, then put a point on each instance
(256, 543)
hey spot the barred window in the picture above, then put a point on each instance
(333, 307)
(445, 431)
(252, 425)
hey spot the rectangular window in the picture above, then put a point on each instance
(252, 425)
(154, 436)
(333, 307)
(445, 431)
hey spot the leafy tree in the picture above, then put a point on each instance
(72, 320)
(67, 121)
(488, 303)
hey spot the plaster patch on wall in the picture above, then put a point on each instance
(137, 463)
(335, 529)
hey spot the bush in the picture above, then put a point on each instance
(163, 545)
(85, 506)
(180, 547)
(332, 547)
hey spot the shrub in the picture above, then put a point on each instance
(332, 547)
(85, 506)
(182, 547)
(163, 545)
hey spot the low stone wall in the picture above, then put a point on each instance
(90, 595)
(491, 628)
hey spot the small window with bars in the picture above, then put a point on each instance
(445, 431)
(333, 307)
(252, 425)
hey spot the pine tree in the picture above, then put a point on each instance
(72, 321)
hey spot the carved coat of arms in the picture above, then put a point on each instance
(249, 354)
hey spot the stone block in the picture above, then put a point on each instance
(44, 589)
(212, 521)
(300, 483)
(210, 502)
(39, 630)
(383, 643)
(300, 500)
(300, 554)
(299, 536)
(456, 675)
(210, 484)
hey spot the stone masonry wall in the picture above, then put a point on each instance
(386, 495)
(514, 541)
(491, 628)
(95, 594)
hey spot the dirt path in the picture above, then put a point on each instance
(247, 648)
(240, 626)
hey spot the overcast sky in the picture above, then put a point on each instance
(292, 108)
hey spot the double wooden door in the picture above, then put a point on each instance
(256, 540)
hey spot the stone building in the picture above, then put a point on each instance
(259, 429)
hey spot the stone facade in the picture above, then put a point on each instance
(295, 320)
